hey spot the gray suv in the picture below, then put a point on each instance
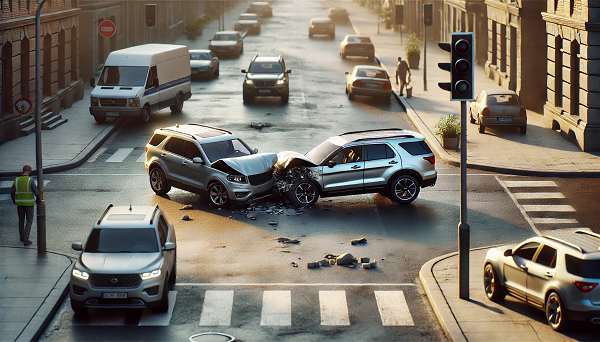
(394, 162)
(557, 274)
(266, 76)
(128, 261)
(208, 160)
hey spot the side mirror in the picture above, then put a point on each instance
(508, 252)
(197, 160)
(169, 246)
(331, 163)
(289, 71)
(255, 150)
(93, 82)
(244, 71)
(77, 246)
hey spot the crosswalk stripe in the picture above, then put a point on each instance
(538, 195)
(141, 158)
(545, 207)
(548, 220)
(120, 155)
(276, 308)
(393, 308)
(334, 308)
(217, 308)
(96, 154)
(149, 318)
(528, 184)
(9, 184)
(5, 197)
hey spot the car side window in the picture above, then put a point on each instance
(191, 150)
(163, 230)
(547, 256)
(151, 76)
(176, 146)
(348, 155)
(379, 151)
(527, 251)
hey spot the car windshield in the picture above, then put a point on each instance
(359, 40)
(224, 37)
(371, 73)
(123, 76)
(319, 153)
(247, 16)
(225, 149)
(503, 100)
(266, 67)
(122, 240)
(199, 56)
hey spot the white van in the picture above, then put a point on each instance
(141, 79)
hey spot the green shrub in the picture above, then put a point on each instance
(195, 25)
(412, 48)
(448, 126)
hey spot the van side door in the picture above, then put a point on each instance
(151, 92)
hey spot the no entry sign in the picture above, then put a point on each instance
(107, 29)
(23, 106)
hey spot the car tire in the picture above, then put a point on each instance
(404, 189)
(99, 119)
(491, 284)
(471, 118)
(303, 193)
(343, 54)
(523, 129)
(350, 95)
(164, 301)
(217, 73)
(158, 182)
(145, 116)
(178, 106)
(346, 90)
(248, 98)
(217, 194)
(481, 127)
(241, 50)
(78, 310)
(310, 35)
(173, 275)
(556, 313)
(285, 98)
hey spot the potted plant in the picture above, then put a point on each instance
(194, 28)
(387, 18)
(413, 53)
(448, 127)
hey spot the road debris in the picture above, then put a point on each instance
(273, 223)
(345, 259)
(294, 264)
(260, 125)
(187, 207)
(371, 264)
(286, 240)
(186, 218)
(312, 264)
(357, 241)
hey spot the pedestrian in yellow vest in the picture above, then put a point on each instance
(22, 192)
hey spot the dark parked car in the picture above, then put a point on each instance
(266, 76)
(321, 26)
(262, 9)
(204, 63)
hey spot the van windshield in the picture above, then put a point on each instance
(123, 76)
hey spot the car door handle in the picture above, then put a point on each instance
(523, 267)
(163, 155)
(548, 275)
(355, 167)
(393, 162)
(184, 163)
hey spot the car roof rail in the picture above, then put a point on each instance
(179, 132)
(215, 128)
(564, 242)
(372, 130)
(153, 213)
(384, 138)
(104, 214)
(587, 232)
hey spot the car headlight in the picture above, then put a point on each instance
(204, 68)
(94, 101)
(134, 102)
(150, 275)
(237, 179)
(80, 275)
(249, 82)
(281, 81)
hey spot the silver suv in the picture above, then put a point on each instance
(394, 162)
(557, 274)
(128, 261)
(208, 160)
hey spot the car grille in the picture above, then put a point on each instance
(113, 102)
(264, 84)
(260, 178)
(108, 280)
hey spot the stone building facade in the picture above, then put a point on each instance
(573, 86)
(516, 53)
(467, 16)
(60, 81)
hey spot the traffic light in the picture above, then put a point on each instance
(427, 14)
(150, 15)
(461, 66)
(399, 18)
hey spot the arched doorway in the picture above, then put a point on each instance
(574, 110)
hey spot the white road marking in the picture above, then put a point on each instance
(334, 308)
(96, 154)
(277, 308)
(142, 158)
(529, 184)
(294, 284)
(393, 309)
(120, 155)
(563, 231)
(523, 212)
(149, 318)
(9, 184)
(5, 197)
(217, 308)
(545, 207)
(538, 195)
(546, 220)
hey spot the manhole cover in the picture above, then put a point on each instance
(211, 337)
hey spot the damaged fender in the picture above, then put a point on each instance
(253, 164)
(292, 166)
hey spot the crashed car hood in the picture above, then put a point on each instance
(291, 159)
(253, 164)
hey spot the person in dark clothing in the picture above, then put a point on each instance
(22, 192)
(402, 71)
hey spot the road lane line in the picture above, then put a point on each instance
(149, 318)
(141, 158)
(538, 195)
(393, 309)
(528, 184)
(96, 154)
(276, 308)
(293, 284)
(547, 220)
(217, 308)
(5, 197)
(548, 207)
(334, 308)
(9, 184)
(120, 155)
(523, 212)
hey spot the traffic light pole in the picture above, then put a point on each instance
(463, 227)
(41, 205)
(425, 58)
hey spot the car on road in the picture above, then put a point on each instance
(248, 21)
(210, 161)
(262, 9)
(358, 46)
(266, 76)
(558, 274)
(498, 107)
(204, 63)
(368, 80)
(323, 26)
(227, 43)
(396, 163)
(128, 261)
(338, 14)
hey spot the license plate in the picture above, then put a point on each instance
(374, 85)
(359, 49)
(323, 30)
(114, 295)
(504, 119)
(264, 90)
(112, 113)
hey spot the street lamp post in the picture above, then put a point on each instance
(41, 206)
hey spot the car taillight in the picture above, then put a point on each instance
(146, 149)
(430, 159)
(523, 111)
(485, 112)
(387, 86)
(331, 26)
(584, 287)
(357, 83)
(370, 47)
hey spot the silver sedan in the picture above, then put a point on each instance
(368, 80)
(498, 107)
(204, 63)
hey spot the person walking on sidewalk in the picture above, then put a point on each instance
(22, 192)
(402, 70)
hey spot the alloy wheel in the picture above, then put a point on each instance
(305, 193)
(405, 189)
(218, 194)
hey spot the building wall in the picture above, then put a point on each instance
(467, 16)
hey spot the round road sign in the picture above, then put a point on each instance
(107, 29)
(23, 106)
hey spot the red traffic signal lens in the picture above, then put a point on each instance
(462, 87)
(462, 46)
(462, 66)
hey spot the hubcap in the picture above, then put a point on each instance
(218, 194)
(305, 193)
(488, 281)
(405, 189)
(554, 311)
(156, 180)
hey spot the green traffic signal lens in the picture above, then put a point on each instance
(462, 66)
(462, 46)
(462, 87)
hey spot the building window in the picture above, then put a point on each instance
(7, 104)
(571, 7)
(494, 46)
(61, 59)
(74, 54)
(558, 65)
(47, 66)
(503, 39)
(555, 6)
(574, 110)
(25, 67)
